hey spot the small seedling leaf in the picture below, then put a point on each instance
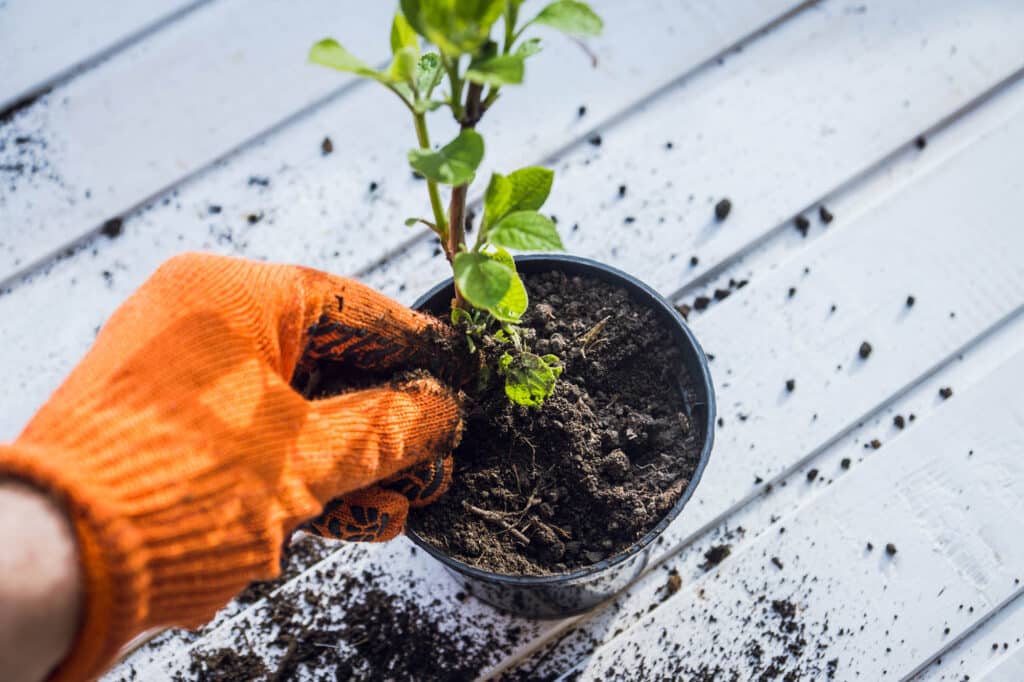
(329, 52)
(526, 231)
(528, 48)
(453, 164)
(483, 281)
(428, 73)
(530, 187)
(497, 71)
(529, 378)
(572, 17)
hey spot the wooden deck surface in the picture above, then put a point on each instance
(905, 118)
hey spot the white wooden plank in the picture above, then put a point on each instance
(43, 41)
(907, 346)
(318, 210)
(993, 652)
(210, 83)
(166, 107)
(941, 497)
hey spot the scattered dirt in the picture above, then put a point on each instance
(548, 490)
(910, 301)
(715, 556)
(946, 392)
(825, 215)
(378, 635)
(890, 549)
(112, 228)
(326, 147)
(802, 224)
(790, 385)
(899, 422)
(864, 351)
(722, 209)
(674, 583)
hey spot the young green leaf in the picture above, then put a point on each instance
(483, 281)
(428, 73)
(497, 71)
(456, 26)
(528, 48)
(572, 17)
(515, 301)
(526, 231)
(525, 189)
(460, 316)
(410, 222)
(497, 199)
(403, 66)
(529, 378)
(403, 34)
(424, 105)
(530, 187)
(328, 52)
(453, 164)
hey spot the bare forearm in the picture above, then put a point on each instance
(40, 583)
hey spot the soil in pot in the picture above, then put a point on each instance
(538, 491)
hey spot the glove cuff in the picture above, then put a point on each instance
(145, 561)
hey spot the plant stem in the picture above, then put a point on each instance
(435, 198)
(457, 205)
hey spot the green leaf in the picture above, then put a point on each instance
(528, 48)
(410, 222)
(428, 73)
(483, 281)
(403, 34)
(530, 187)
(403, 66)
(424, 105)
(572, 17)
(523, 190)
(515, 301)
(461, 316)
(526, 231)
(529, 378)
(497, 199)
(328, 52)
(497, 71)
(456, 26)
(453, 164)
(411, 12)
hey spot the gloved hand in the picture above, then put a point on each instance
(185, 458)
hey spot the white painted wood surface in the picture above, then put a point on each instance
(824, 106)
(45, 41)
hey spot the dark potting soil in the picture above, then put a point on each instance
(546, 490)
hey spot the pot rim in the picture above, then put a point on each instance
(655, 300)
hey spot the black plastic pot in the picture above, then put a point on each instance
(566, 594)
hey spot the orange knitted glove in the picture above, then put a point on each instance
(185, 458)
